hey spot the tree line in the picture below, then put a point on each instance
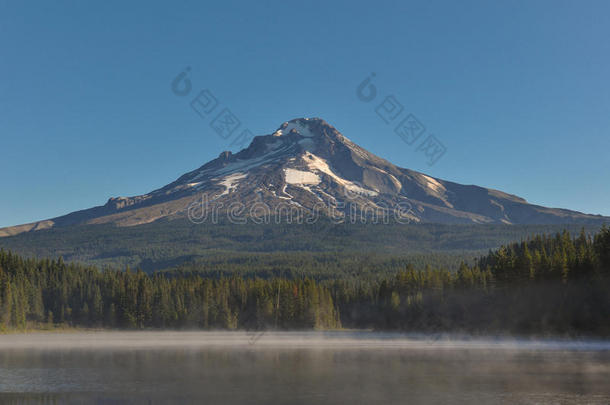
(556, 284)
(549, 284)
(47, 292)
(322, 249)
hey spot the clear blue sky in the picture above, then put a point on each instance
(518, 92)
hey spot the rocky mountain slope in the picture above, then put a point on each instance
(306, 169)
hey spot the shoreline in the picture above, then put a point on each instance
(434, 335)
(338, 339)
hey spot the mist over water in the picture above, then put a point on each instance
(299, 368)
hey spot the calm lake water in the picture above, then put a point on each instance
(298, 368)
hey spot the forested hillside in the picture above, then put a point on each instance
(547, 284)
(318, 249)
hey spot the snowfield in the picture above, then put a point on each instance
(294, 176)
(231, 182)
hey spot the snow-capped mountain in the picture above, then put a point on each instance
(309, 165)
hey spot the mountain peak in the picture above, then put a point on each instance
(307, 162)
(301, 126)
(308, 128)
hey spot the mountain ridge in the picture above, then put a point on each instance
(307, 163)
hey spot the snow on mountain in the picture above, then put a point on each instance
(306, 162)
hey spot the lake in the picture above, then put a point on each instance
(299, 368)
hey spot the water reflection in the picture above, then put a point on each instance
(222, 368)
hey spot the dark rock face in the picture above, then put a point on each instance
(307, 163)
